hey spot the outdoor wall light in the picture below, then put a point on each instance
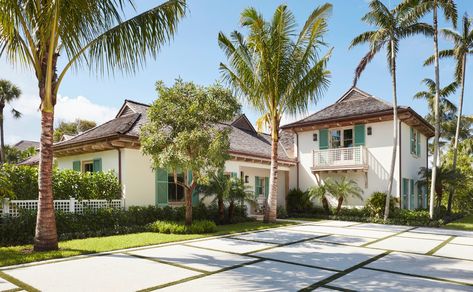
(247, 179)
(370, 131)
(314, 137)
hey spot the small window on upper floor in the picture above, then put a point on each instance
(87, 166)
(415, 142)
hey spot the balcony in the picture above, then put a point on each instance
(340, 159)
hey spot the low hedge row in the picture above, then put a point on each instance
(20, 230)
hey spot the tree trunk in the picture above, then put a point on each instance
(272, 200)
(2, 141)
(457, 133)
(231, 211)
(46, 234)
(395, 132)
(188, 204)
(436, 155)
(221, 210)
(325, 205)
(339, 205)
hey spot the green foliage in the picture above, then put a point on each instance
(197, 227)
(376, 204)
(342, 189)
(182, 131)
(319, 193)
(72, 128)
(281, 212)
(6, 188)
(14, 155)
(298, 202)
(66, 183)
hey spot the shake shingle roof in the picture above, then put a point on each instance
(25, 144)
(132, 115)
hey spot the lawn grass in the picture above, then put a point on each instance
(23, 254)
(465, 223)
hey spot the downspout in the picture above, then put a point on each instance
(119, 165)
(400, 167)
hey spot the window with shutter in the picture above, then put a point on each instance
(76, 165)
(97, 165)
(266, 186)
(418, 143)
(412, 196)
(323, 143)
(405, 193)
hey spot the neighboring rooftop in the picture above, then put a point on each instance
(26, 144)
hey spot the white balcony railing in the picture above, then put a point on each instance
(340, 158)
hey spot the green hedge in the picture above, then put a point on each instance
(169, 227)
(20, 230)
(66, 184)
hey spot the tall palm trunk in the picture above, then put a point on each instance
(272, 200)
(221, 209)
(436, 157)
(231, 211)
(395, 131)
(2, 142)
(325, 205)
(457, 132)
(46, 234)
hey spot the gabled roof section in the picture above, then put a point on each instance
(123, 125)
(241, 122)
(132, 107)
(354, 102)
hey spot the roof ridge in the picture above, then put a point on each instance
(137, 102)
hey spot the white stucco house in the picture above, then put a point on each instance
(352, 138)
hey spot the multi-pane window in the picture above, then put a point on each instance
(88, 166)
(415, 142)
(348, 138)
(175, 191)
(335, 139)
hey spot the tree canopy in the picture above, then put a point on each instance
(72, 128)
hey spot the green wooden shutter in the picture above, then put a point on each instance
(257, 185)
(76, 165)
(418, 144)
(360, 135)
(195, 194)
(412, 196)
(323, 139)
(419, 196)
(97, 165)
(161, 191)
(266, 186)
(405, 192)
(413, 147)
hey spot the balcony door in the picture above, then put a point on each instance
(342, 139)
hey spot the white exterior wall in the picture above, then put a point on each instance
(412, 163)
(379, 149)
(138, 177)
(109, 160)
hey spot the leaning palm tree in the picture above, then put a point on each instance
(218, 188)
(342, 189)
(391, 26)
(463, 46)
(320, 193)
(45, 34)
(278, 70)
(8, 93)
(419, 9)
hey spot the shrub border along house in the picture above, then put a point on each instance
(370, 213)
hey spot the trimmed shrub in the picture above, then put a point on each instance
(281, 212)
(103, 222)
(298, 202)
(66, 183)
(376, 204)
(169, 227)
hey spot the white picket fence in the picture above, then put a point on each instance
(13, 207)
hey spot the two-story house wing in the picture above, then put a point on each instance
(354, 138)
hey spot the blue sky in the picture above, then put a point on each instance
(194, 55)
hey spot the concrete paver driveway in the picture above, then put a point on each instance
(321, 256)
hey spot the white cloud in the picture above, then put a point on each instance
(80, 107)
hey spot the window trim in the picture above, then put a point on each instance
(84, 162)
(342, 136)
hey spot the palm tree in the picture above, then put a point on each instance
(238, 192)
(445, 175)
(419, 9)
(218, 187)
(8, 93)
(342, 189)
(91, 33)
(278, 70)
(391, 26)
(463, 46)
(320, 193)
